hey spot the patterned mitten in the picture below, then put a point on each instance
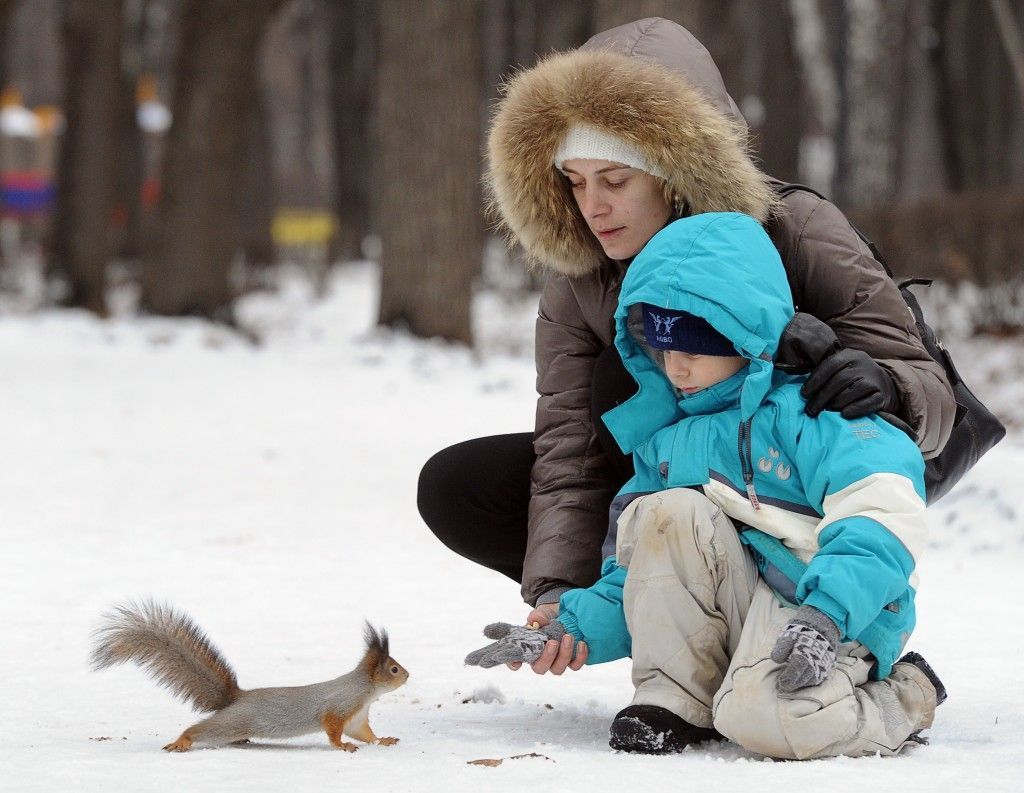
(514, 643)
(807, 649)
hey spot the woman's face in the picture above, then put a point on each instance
(623, 207)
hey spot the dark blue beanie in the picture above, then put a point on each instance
(665, 329)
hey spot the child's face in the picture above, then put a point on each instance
(691, 373)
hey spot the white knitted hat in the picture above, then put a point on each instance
(587, 142)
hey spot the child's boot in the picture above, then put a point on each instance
(917, 660)
(649, 729)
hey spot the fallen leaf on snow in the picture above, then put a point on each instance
(492, 762)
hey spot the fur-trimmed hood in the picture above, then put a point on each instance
(649, 82)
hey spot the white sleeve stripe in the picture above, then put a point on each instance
(889, 499)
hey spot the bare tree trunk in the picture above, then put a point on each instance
(256, 190)
(1013, 42)
(516, 33)
(866, 162)
(131, 157)
(35, 57)
(213, 103)
(947, 105)
(561, 25)
(611, 13)
(129, 172)
(6, 6)
(353, 66)
(981, 116)
(427, 207)
(818, 148)
(920, 163)
(91, 33)
(771, 101)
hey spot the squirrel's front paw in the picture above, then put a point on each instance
(387, 741)
(183, 744)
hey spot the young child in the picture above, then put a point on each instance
(760, 564)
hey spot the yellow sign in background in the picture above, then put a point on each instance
(303, 227)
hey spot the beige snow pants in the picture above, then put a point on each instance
(703, 625)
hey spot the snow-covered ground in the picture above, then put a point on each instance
(270, 492)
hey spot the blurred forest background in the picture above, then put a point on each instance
(162, 156)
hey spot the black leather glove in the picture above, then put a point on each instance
(841, 379)
(851, 382)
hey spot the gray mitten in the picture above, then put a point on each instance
(807, 649)
(514, 643)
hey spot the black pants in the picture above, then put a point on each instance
(475, 495)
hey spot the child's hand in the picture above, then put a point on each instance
(559, 656)
(515, 643)
(807, 650)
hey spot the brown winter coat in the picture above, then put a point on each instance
(652, 83)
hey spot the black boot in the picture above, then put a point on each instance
(916, 660)
(648, 729)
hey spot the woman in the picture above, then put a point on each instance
(590, 154)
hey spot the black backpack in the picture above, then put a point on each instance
(975, 428)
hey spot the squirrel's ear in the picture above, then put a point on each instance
(377, 651)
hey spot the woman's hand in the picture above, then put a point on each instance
(542, 614)
(851, 382)
(557, 656)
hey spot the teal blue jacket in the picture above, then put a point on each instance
(832, 509)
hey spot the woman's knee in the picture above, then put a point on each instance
(476, 482)
(441, 501)
(435, 487)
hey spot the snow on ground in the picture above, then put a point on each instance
(270, 492)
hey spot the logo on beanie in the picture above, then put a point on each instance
(663, 327)
(671, 329)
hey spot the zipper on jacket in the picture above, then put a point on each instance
(747, 463)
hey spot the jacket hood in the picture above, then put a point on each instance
(720, 266)
(673, 46)
(651, 83)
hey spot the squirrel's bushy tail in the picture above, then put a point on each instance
(172, 648)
